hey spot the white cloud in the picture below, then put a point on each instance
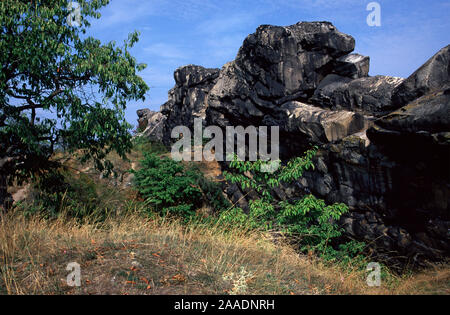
(223, 34)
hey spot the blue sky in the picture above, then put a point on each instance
(209, 33)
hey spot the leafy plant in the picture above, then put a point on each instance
(167, 186)
(309, 219)
(170, 187)
(212, 191)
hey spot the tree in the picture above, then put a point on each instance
(60, 87)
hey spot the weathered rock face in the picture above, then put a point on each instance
(433, 75)
(280, 64)
(384, 141)
(152, 124)
(389, 189)
(318, 125)
(368, 95)
(188, 99)
(353, 66)
(429, 115)
(416, 140)
(288, 60)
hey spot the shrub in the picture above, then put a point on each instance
(171, 187)
(308, 219)
(167, 186)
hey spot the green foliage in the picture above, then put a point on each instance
(235, 216)
(308, 219)
(169, 187)
(262, 181)
(50, 65)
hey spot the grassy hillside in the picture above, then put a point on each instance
(125, 248)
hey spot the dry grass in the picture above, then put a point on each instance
(134, 255)
(131, 254)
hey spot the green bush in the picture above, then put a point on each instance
(310, 220)
(169, 187)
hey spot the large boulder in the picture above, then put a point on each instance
(316, 124)
(276, 65)
(369, 95)
(192, 75)
(353, 66)
(433, 75)
(429, 114)
(288, 60)
(398, 193)
(417, 139)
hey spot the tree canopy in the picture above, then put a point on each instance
(60, 87)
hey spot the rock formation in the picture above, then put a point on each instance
(189, 98)
(384, 141)
(151, 124)
(370, 95)
(433, 75)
